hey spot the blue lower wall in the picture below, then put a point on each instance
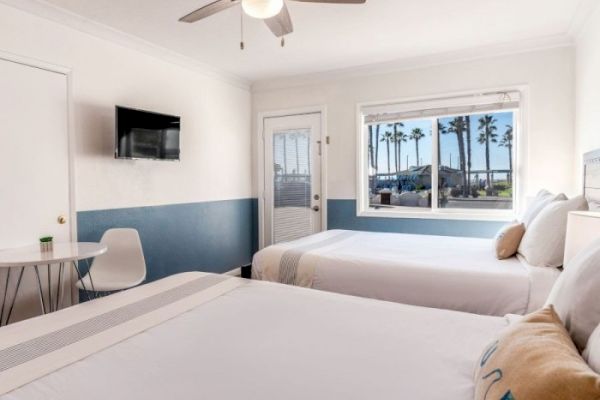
(222, 235)
(341, 214)
(211, 236)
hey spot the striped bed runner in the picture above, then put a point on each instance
(30, 359)
(290, 259)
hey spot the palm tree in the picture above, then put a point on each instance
(392, 140)
(468, 131)
(487, 135)
(285, 164)
(371, 160)
(507, 141)
(442, 130)
(376, 159)
(295, 136)
(388, 136)
(416, 135)
(457, 126)
(397, 144)
(400, 137)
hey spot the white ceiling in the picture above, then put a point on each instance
(329, 37)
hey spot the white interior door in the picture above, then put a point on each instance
(292, 195)
(34, 166)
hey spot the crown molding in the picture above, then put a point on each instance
(64, 17)
(582, 15)
(465, 55)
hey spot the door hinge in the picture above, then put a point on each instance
(326, 139)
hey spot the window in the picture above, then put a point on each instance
(442, 156)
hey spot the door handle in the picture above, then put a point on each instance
(61, 219)
(316, 208)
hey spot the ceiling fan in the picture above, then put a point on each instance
(274, 12)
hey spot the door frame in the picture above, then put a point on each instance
(260, 161)
(68, 73)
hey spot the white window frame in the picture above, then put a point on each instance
(519, 160)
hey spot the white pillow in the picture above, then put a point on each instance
(575, 294)
(541, 200)
(543, 244)
(591, 354)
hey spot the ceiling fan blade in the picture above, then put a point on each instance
(334, 1)
(209, 10)
(281, 24)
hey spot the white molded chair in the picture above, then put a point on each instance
(121, 267)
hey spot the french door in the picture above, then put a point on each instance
(292, 177)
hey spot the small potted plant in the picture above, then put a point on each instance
(46, 243)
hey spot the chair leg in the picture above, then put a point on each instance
(87, 293)
(89, 273)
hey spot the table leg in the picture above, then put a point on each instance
(4, 296)
(41, 290)
(81, 279)
(50, 305)
(89, 268)
(60, 290)
(12, 304)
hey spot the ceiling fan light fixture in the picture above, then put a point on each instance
(262, 9)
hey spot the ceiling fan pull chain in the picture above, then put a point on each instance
(241, 29)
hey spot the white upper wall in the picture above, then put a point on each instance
(215, 137)
(587, 91)
(550, 115)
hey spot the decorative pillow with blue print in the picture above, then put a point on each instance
(535, 359)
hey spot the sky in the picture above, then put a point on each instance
(499, 156)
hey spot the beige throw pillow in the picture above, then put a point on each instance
(535, 359)
(507, 240)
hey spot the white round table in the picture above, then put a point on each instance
(33, 257)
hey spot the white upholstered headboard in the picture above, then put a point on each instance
(591, 179)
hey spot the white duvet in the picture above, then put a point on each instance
(432, 271)
(265, 341)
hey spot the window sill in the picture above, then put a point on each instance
(416, 213)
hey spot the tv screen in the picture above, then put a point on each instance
(143, 134)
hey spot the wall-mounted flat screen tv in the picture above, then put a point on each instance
(143, 134)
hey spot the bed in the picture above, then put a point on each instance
(453, 273)
(198, 335)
